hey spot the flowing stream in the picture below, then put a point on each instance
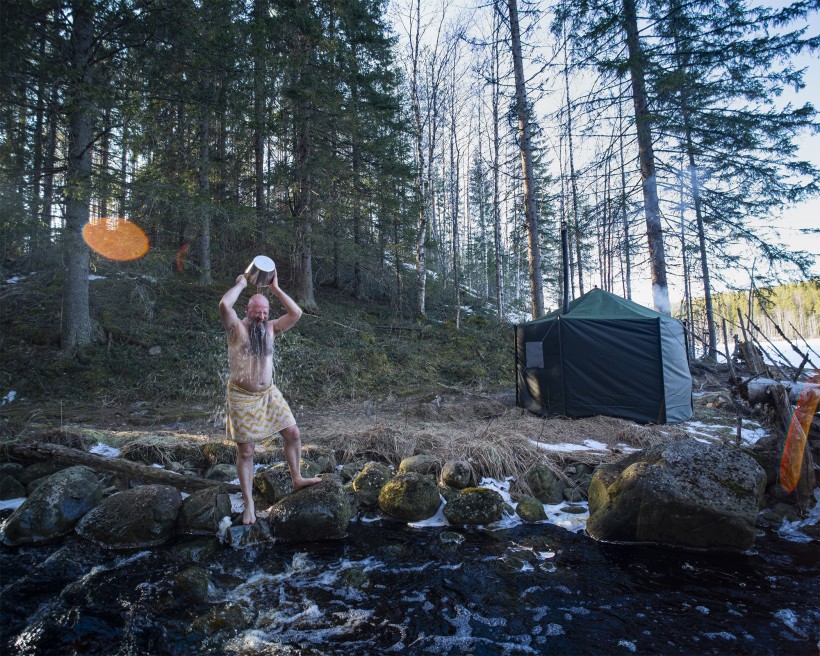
(390, 588)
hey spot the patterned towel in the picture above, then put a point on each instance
(256, 416)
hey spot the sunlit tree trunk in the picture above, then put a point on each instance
(76, 320)
(654, 230)
(525, 143)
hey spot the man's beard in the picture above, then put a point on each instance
(259, 339)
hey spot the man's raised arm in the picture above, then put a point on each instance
(226, 311)
(293, 311)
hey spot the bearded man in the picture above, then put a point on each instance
(256, 408)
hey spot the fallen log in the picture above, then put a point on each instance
(756, 390)
(137, 471)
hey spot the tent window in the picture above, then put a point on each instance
(535, 355)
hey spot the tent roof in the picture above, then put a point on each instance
(598, 304)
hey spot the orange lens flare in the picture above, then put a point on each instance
(792, 461)
(116, 239)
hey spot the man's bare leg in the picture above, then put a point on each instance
(244, 469)
(293, 455)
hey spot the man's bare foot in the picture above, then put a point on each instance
(299, 483)
(249, 516)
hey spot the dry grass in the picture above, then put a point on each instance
(498, 440)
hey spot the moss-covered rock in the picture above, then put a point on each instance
(202, 512)
(142, 517)
(475, 505)
(530, 509)
(422, 464)
(222, 472)
(410, 497)
(53, 509)
(323, 457)
(350, 469)
(457, 474)
(685, 493)
(314, 513)
(275, 483)
(368, 483)
(545, 484)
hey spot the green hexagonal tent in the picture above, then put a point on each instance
(604, 356)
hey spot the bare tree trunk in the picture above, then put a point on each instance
(496, 93)
(301, 211)
(76, 319)
(48, 165)
(259, 118)
(523, 111)
(624, 216)
(654, 230)
(576, 226)
(455, 160)
(105, 157)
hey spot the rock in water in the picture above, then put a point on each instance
(142, 517)
(318, 512)
(275, 483)
(368, 483)
(545, 484)
(687, 494)
(475, 505)
(531, 509)
(410, 497)
(54, 507)
(202, 511)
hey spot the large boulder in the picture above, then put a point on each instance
(369, 482)
(317, 512)
(475, 505)
(142, 517)
(410, 497)
(54, 507)
(686, 493)
(275, 483)
(545, 484)
(202, 512)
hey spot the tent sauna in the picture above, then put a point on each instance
(604, 356)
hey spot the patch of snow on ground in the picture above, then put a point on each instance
(101, 449)
(751, 432)
(566, 447)
(8, 398)
(95, 277)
